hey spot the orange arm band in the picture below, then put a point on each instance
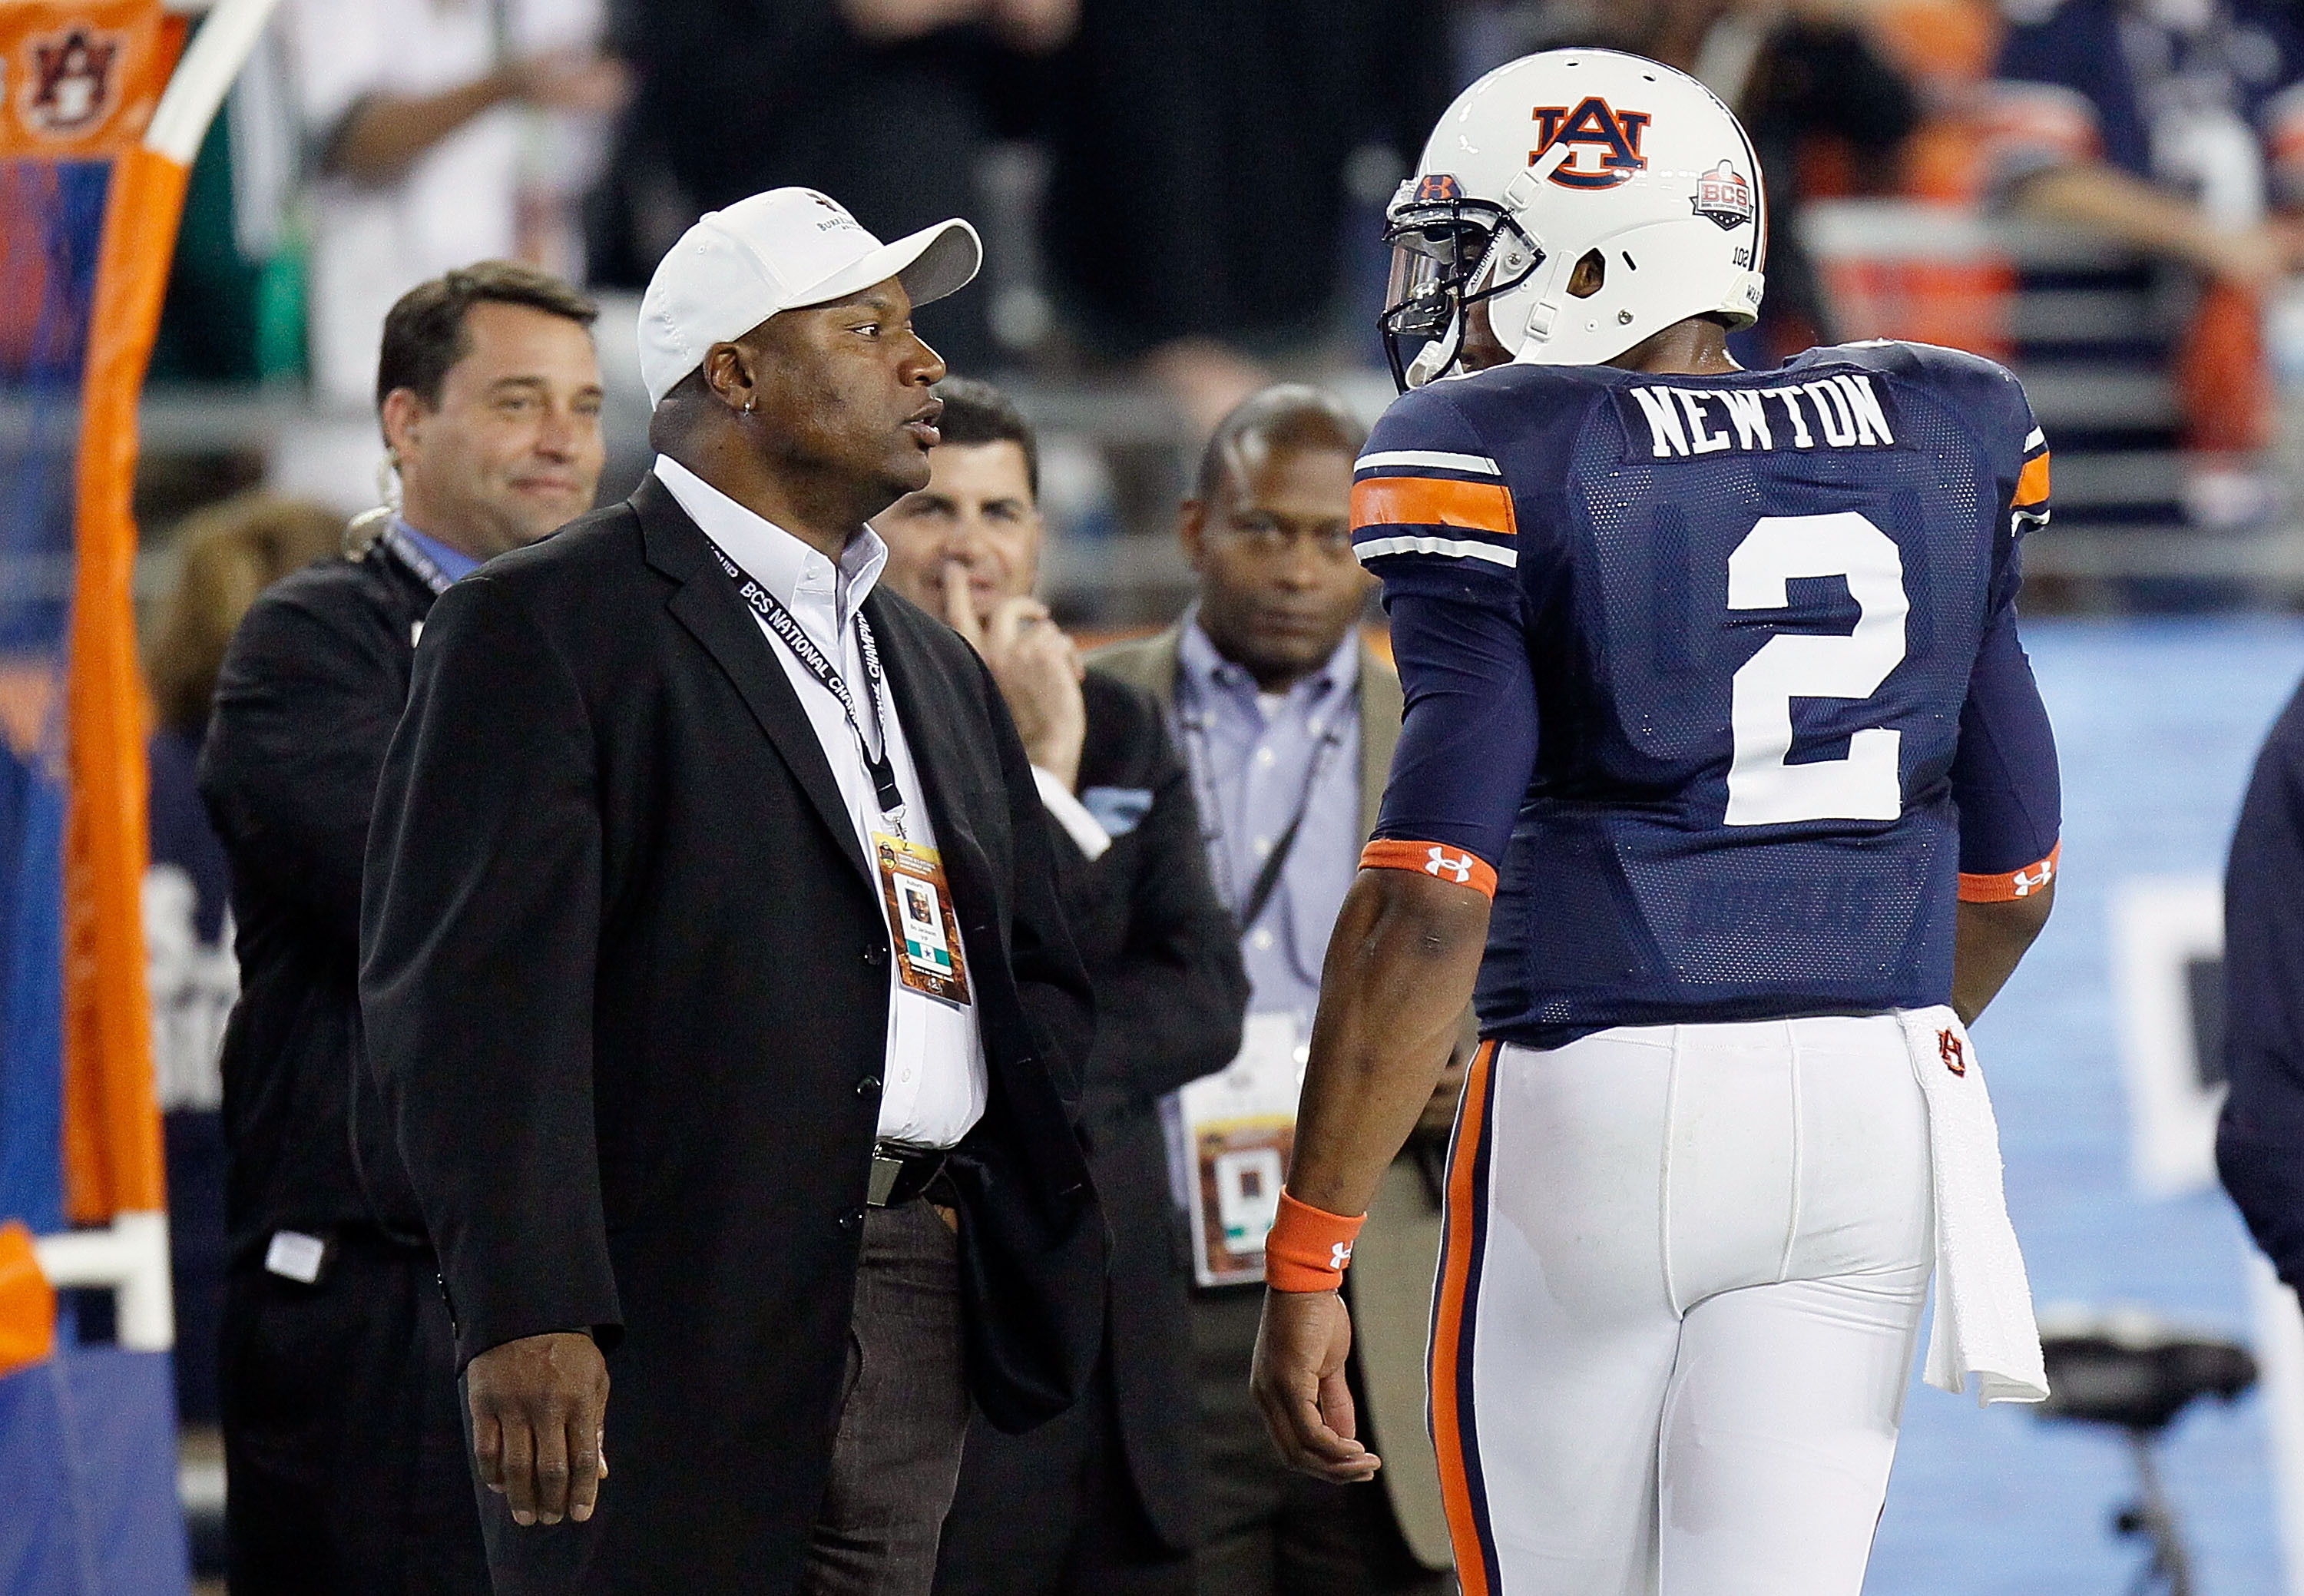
(1309, 1247)
(2010, 885)
(1431, 859)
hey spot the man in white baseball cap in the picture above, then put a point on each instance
(767, 1111)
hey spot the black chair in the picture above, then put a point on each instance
(2132, 1370)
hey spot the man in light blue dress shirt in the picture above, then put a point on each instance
(1287, 719)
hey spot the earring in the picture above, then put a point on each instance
(749, 403)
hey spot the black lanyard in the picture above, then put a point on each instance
(403, 549)
(1267, 879)
(813, 660)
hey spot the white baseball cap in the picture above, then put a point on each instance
(776, 251)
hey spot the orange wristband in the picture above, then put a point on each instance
(1309, 1247)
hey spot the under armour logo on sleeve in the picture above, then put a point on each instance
(2008, 887)
(1459, 865)
(1458, 870)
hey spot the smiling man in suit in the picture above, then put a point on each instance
(715, 979)
(1102, 1501)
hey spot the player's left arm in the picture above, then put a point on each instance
(1401, 966)
(2004, 781)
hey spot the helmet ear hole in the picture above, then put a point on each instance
(1591, 276)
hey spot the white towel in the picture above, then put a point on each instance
(1984, 1323)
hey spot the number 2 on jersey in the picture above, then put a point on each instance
(1763, 790)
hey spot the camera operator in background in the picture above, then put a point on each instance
(344, 1448)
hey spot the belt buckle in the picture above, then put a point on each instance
(885, 1173)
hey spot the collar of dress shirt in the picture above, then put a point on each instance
(455, 564)
(769, 554)
(1219, 681)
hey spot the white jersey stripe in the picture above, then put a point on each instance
(1430, 459)
(2034, 441)
(1421, 544)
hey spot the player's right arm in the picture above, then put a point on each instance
(1433, 517)
(2005, 779)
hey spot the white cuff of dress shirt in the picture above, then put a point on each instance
(1070, 814)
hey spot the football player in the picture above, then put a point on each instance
(1725, 773)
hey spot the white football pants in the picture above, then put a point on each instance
(1683, 1271)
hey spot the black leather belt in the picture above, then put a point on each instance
(900, 1174)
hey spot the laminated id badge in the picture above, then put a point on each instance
(1239, 1131)
(919, 916)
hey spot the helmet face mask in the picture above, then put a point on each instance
(1440, 248)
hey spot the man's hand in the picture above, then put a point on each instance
(539, 1404)
(1298, 1385)
(1037, 669)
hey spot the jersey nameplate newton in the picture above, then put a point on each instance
(1845, 411)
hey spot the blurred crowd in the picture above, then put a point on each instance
(1182, 202)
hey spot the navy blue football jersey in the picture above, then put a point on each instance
(1713, 680)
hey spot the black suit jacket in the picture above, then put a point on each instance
(1163, 958)
(310, 691)
(625, 975)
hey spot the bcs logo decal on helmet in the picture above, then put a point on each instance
(1596, 123)
(1438, 188)
(1723, 196)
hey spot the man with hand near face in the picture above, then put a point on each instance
(1288, 722)
(1100, 1501)
(715, 979)
(343, 1451)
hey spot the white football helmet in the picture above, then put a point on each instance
(1550, 159)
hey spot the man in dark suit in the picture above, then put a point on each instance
(714, 974)
(1100, 1502)
(338, 1381)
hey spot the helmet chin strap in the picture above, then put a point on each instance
(1437, 355)
(1519, 199)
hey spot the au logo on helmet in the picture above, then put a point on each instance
(1723, 196)
(1595, 127)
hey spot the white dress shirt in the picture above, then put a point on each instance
(934, 1086)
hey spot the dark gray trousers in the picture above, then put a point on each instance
(904, 1414)
(895, 1457)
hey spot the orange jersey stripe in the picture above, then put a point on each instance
(1433, 501)
(2032, 486)
(2010, 885)
(1432, 858)
(1448, 1351)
